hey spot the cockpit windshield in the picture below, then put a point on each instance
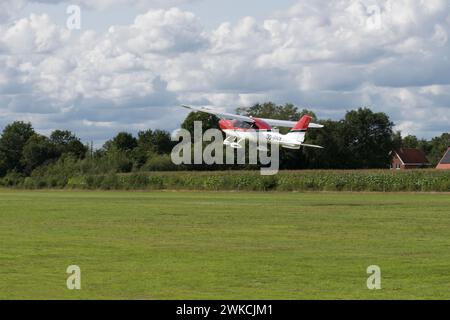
(244, 125)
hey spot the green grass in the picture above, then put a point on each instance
(204, 245)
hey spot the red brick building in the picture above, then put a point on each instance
(444, 164)
(406, 158)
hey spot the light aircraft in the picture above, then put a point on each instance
(239, 128)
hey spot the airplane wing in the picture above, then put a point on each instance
(271, 122)
(221, 115)
(311, 146)
(289, 124)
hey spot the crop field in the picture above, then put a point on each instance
(427, 180)
(223, 245)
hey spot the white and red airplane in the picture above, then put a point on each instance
(239, 128)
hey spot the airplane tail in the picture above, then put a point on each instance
(299, 130)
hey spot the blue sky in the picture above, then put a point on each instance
(133, 62)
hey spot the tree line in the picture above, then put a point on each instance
(363, 139)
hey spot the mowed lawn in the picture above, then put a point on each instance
(223, 245)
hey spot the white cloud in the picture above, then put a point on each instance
(8, 8)
(160, 31)
(36, 34)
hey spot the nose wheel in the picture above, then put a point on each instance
(237, 145)
(231, 141)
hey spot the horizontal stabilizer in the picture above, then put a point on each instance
(311, 146)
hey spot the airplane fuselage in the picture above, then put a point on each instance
(262, 133)
(260, 136)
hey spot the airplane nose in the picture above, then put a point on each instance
(223, 124)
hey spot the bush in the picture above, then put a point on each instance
(12, 179)
(60, 176)
(110, 181)
(77, 183)
(159, 163)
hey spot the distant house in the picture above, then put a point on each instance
(406, 158)
(445, 161)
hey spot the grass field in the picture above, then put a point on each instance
(204, 245)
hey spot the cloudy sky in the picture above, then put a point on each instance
(132, 63)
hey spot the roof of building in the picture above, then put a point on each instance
(445, 161)
(446, 158)
(412, 156)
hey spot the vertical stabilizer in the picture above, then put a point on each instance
(299, 130)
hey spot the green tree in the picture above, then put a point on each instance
(3, 168)
(161, 142)
(12, 142)
(123, 141)
(67, 143)
(410, 142)
(368, 137)
(335, 154)
(151, 144)
(37, 151)
(425, 146)
(397, 140)
(144, 148)
(119, 152)
(438, 146)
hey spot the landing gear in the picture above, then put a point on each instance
(237, 145)
(230, 141)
